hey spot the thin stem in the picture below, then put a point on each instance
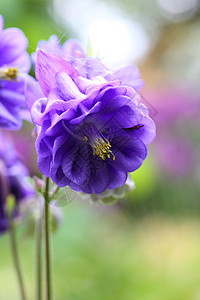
(16, 259)
(47, 242)
(38, 256)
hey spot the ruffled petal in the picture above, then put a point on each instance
(95, 109)
(47, 66)
(130, 76)
(42, 148)
(75, 186)
(59, 177)
(59, 149)
(129, 153)
(75, 164)
(146, 133)
(67, 87)
(37, 109)
(118, 177)
(98, 183)
(44, 164)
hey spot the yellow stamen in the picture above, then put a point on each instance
(9, 73)
(100, 145)
(102, 149)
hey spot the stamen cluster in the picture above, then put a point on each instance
(102, 149)
(100, 145)
(9, 73)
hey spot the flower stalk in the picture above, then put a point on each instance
(15, 255)
(38, 257)
(48, 283)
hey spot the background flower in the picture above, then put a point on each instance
(177, 123)
(12, 181)
(14, 65)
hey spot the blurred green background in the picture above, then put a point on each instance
(148, 245)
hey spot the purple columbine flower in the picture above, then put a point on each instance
(14, 66)
(12, 181)
(91, 129)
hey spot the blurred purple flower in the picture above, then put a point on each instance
(14, 66)
(177, 121)
(12, 180)
(24, 145)
(91, 131)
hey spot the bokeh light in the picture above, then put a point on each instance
(179, 10)
(112, 36)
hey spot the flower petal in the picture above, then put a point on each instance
(37, 109)
(75, 164)
(44, 164)
(98, 183)
(33, 91)
(72, 48)
(58, 176)
(47, 66)
(130, 76)
(9, 119)
(146, 133)
(13, 44)
(67, 87)
(118, 177)
(10, 97)
(22, 62)
(129, 153)
(1, 23)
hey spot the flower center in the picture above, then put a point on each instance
(100, 145)
(8, 73)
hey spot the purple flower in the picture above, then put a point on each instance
(14, 65)
(12, 180)
(91, 131)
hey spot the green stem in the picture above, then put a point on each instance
(47, 242)
(38, 252)
(16, 259)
